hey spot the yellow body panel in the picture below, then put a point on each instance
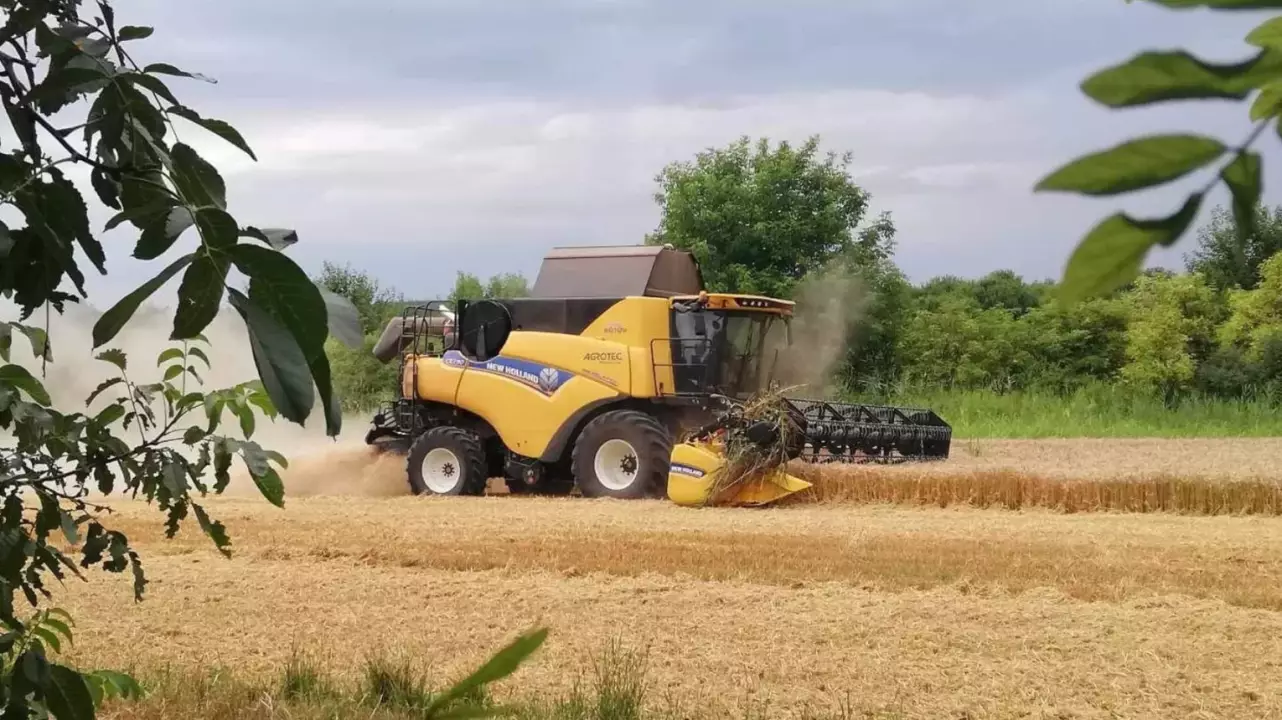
(694, 473)
(437, 381)
(539, 383)
(642, 324)
(541, 380)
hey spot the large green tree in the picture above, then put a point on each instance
(361, 381)
(504, 285)
(1228, 258)
(758, 217)
(1170, 330)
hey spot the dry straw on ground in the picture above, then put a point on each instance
(1201, 477)
(1204, 477)
(913, 613)
(1013, 490)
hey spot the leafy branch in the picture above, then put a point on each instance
(1113, 252)
(55, 60)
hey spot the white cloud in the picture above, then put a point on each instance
(493, 185)
(460, 160)
(401, 165)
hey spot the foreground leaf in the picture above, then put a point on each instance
(1112, 254)
(1161, 76)
(329, 400)
(68, 695)
(22, 379)
(39, 340)
(196, 180)
(135, 32)
(214, 529)
(199, 295)
(343, 318)
(217, 127)
(282, 367)
(503, 663)
(1136, 164)
(162, 231)
(115, 356)
(111, 684)
(277, 238)
(167, 69)
(279, 286)
(1244, 178)
(1267, 34)
(1267, 103)
(102, 387)
(111, 322)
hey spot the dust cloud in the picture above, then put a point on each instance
(318, 465)
(829, 306)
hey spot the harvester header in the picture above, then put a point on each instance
(607, 379)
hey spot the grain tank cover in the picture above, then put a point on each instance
(616, 271)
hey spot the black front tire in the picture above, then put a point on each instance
(651, 455)
(459, 469)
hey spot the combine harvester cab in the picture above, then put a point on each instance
(599, 379)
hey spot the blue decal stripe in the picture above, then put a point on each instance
(543, 378)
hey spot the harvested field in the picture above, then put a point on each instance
(901, 612)
(1202, 477)
(1215, 459)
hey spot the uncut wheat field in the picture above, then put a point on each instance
(1058, 579)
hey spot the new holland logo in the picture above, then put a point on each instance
(687, 470)
(546, 380)
(549, 379)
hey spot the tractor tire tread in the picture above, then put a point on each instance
(465, 444)
(652, 442)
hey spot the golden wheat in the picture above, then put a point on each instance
(1014, 490)
(920, 613)
(915, 612)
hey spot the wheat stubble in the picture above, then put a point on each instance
(919, 613)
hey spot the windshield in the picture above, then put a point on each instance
(732, 353)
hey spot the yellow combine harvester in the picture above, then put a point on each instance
(619, 376)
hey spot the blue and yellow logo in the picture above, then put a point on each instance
(535, 376)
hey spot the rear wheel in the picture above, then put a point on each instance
(622, 454)
(447, 461)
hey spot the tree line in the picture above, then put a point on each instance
(775, 219)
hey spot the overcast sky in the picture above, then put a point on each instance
(414, 138)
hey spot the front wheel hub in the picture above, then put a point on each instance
(616, 464)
